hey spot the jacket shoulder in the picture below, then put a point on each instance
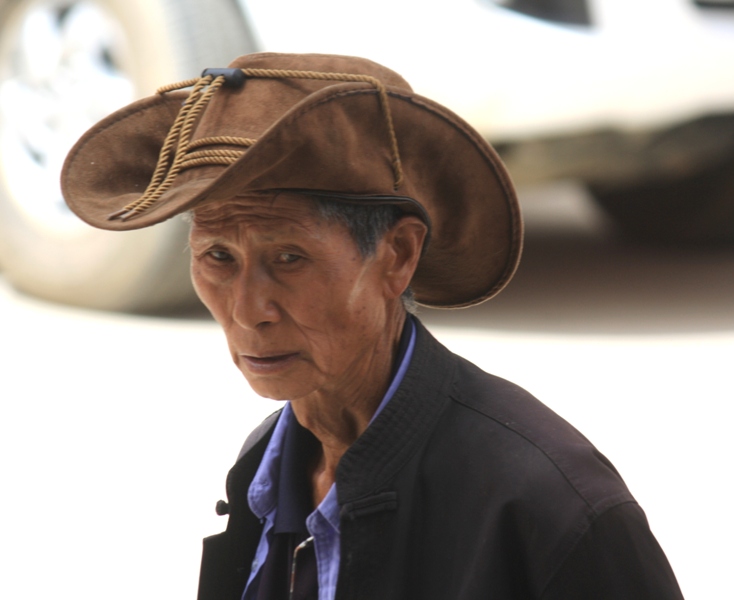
(514, 423)
(531, 486)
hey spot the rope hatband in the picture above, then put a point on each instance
(189, 154)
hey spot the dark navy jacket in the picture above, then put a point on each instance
(465, 487)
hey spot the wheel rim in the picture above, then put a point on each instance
(62, 68)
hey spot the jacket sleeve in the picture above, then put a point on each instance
(618, 558)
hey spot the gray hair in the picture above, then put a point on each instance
(366, 225)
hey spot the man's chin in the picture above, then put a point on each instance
(271, 389)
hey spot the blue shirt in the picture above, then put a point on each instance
(323, 523)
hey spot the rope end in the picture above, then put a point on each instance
(123, 215)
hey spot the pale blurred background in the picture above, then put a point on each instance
(120, 415)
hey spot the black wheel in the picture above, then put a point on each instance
(65, 64)
(695, 208)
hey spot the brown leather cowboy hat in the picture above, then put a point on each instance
(316, 124)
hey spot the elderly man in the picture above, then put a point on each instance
(325, 196)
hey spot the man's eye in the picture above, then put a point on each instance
(287, 258)
(220, 255)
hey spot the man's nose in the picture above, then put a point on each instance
(255, 303)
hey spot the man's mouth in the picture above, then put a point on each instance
(268, 363)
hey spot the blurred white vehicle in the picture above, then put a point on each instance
(635, 98)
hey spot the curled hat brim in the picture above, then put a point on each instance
(329, 142)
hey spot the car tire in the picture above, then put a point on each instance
(45, 250)
(692, 208)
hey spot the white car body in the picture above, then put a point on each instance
(639, 64)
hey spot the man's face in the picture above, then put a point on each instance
(300, 307)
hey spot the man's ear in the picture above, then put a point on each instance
(402, 246)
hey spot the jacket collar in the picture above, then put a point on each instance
(401, 428)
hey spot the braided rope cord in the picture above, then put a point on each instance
(179, 136)
(167, 167)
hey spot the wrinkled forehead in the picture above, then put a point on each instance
(267, 207)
